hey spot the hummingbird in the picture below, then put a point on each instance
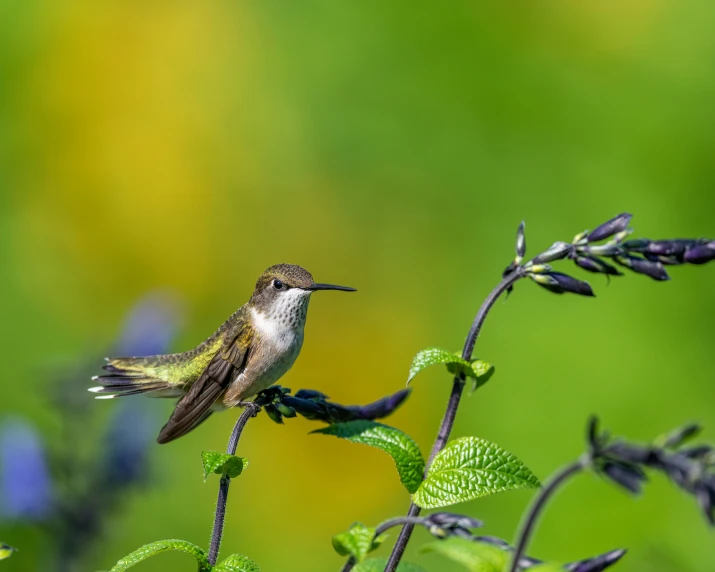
(251, 351)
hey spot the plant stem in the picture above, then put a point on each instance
(445, 427)
(400, 520)
(251, 410)
(527, 527)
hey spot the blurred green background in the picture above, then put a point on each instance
(390, 146)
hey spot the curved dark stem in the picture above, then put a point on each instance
(527, 527)
(398, 521)
(445, 427)
(251, 410)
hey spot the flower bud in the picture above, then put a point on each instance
(593, 264)
(650, 268)
(628, 476)
(521, 241)
(273, 413)
(609, 228)
(597, 564)
(700, 254)
(556, 251)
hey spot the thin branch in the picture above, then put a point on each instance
(535, 510)
(448, 420)
(251, 410)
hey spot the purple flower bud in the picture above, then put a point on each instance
(308, 408)
(683, 434)
(521, 240)
(452, 520)
(569, 284)
(629, 477)
(557, 251)
(610, 227)
(596, 265)
(675, 247)
(629, 453)
(700, 254)
(311, 394)
(636, 245)
(383, 407)
(652, 269)
(597, 564)
(705, 496)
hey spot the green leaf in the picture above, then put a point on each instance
(401, 447)
(469, 468)
(163, 546)
(357, 542)
(474, 556)
(6, 551)
(378, 565)
(478, 370)
(237, 563)
(547, 567)
(483, 372)
(434, 356)
(222, 464)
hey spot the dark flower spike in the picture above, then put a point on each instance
(650, 268)
(382, 407)
(609, 228)
(311, 394)
(597, 564)
(521, 241)
(700, 254)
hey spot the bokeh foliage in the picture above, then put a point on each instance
(393, 147)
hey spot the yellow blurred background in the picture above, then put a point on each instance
(393, 147)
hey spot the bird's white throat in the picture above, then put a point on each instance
(285, 317)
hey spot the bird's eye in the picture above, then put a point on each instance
(278, 285)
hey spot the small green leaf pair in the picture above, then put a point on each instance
(234, 563)
(222, 464)
(477, 370)
(358, 542)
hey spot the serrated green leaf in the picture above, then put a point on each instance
(404, 451)
(154, 548)
(222, 464)
(357, 542)
(378, 565)
(469, 468)
(474, 556)
(237, 563)
(6, 551)
(434, 356)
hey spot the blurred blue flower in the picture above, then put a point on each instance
(151, 325)
(149, 329)
(25, 485)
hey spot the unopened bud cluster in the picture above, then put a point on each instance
(589, 252)
(690, 467)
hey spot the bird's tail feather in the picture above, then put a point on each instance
(127, 376)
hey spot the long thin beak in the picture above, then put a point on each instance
(314, 287)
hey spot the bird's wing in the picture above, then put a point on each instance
(223, 368)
